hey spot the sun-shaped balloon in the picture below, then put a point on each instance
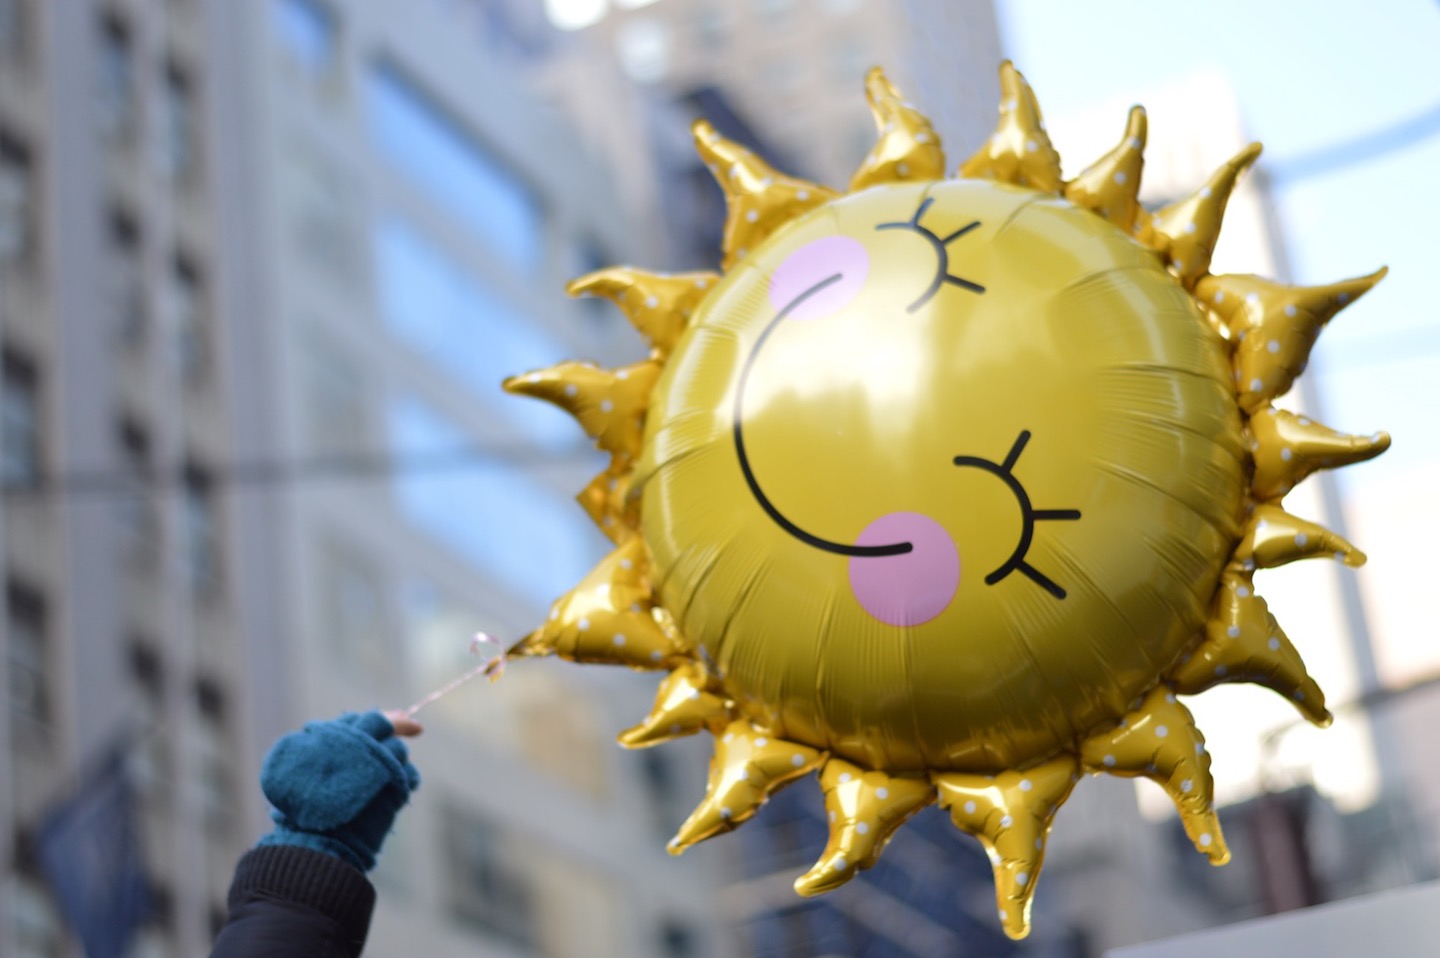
(947, 488)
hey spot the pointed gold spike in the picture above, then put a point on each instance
(1019, 150)
(1288, 448)
(1274, 537)
(759, 200)
(1159, 740)
(683, 706)
(610, 617)
(865, 809)
(747, 766)
(659, 305)
(1010, 814)
(1244, 643)
(1274, 326)
(610, 406)
(1110, 186)
(607, 501)
(908, 148)
(1185, 232)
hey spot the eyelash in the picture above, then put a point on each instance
(942, 272)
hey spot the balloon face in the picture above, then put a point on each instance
(903, 451)
(947, 489)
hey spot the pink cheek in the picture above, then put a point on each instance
(813, 263)
(911, 588)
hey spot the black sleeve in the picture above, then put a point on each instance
(289, 902)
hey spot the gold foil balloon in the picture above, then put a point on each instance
(946, 488)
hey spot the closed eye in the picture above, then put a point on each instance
(942, 253)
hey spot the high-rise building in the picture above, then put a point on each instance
(262, 267)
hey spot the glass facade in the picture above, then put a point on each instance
(444, 162)
(491, 513)
(306, 30)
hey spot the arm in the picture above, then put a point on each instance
(336, 788)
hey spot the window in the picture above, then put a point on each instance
(17, 200)
(115, 79)
(352, 597)
(191, 339)
(217, 806)
(149, 763)
(34, 920)
(484, 887)
(338, 401)
(20, 411)
(493, 514)
(677, 939)
(135, 509)
(436, 307)
(178, 146)
(443, 160)
(201, 532)
(126, 291)
(324, 215)
(28, 655)
(306, 31)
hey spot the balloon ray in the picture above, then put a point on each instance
(610, 405)
(908, 147)
(658, 305)
(607, 501)
(1158, 740)
(864, 809)
(1244, 643)
(1273, 537)
(684, 704)
(1185, 232)
(1010, 813)
(1019, 150)
(759, 199)
(1289, 447)
(748, 765)
(1111, 186)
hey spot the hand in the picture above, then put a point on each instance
(336, 786)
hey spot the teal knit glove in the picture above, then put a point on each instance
(337, 786)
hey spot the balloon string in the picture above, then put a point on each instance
(493, 667)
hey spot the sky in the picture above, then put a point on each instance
(1308, 77)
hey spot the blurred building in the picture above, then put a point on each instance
(262, 267)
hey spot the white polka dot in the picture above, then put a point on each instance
(1189, 227)
(1022, 879)
(571, 389)
(1233, 631)
(841, 864)
(1256, 385)
(922, 137)
(802, 195)
(1170, 697)
(1031, 146)
(1039, 844)
(619, 639)
(725, 812)
(1003, 916)
(1220, 670)
(863, 828)
(1274, 645)
(752, 216)
(584, 624)
(902, 168)
(656, 656)
(1161, 731)
(729, 737)
(1339, 557)
(554, 614)
(1205, 193)
(1120, 177)
(832, 816)
(623, 374)
(1302, 420)
(882, 793)
(1299, 696)
(797, 760)
(1301, 538)
(1286, 454)
(1205, 840)
(970, 808)
(1135, 143)
(603, 589)
(1290, 309)
(606, 405)
(700, 284)
(761, 742)
(625, 563)
(1243, 592)
(1273, 346)
(1343, 297)
(1025, 785)
(1186, 785)
(1006, 822)
(1252, 299)
(1199, 748)
(1219, 296)
(844, 777)
(1249, 565)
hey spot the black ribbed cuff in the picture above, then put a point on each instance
(314, 879)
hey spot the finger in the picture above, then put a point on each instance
(404, 725)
